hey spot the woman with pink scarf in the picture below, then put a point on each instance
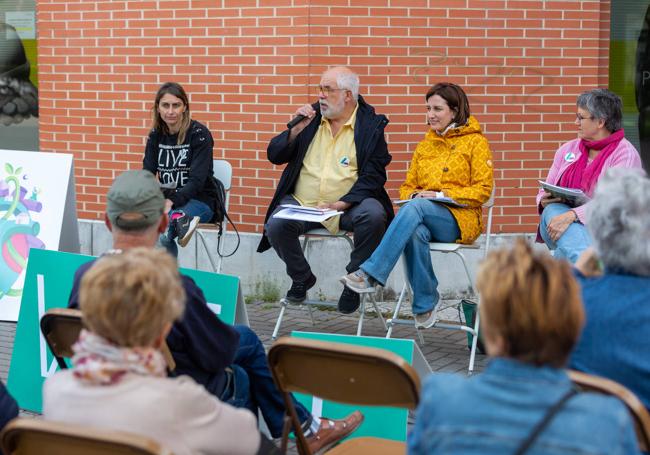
(578, 164)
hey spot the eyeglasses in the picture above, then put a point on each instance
(580, 118)
(327, 90)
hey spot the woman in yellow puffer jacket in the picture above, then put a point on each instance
(453, 161)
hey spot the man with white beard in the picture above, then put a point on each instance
(336, 157)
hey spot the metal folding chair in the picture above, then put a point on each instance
(639, 413)
(60, 328)
(222, 170)
(456, 249)
(321, 233)
(345, 374)
(36, 436)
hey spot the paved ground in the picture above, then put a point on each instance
(445, 350)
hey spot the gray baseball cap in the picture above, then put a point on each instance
(135, 201)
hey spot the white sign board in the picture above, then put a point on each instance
(37, 210)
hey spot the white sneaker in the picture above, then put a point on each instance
(425, 320)
(358, 282)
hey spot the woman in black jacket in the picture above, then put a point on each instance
(179, 152)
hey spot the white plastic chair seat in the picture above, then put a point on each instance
(451, 247)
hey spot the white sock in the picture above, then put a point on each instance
(315, 424)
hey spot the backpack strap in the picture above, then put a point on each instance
(542, 424)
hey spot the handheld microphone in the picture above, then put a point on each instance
(297, 119)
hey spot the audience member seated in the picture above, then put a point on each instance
(118, 381)
(578, 164)
(336, 158)
(8, 406)
(531, 316)
(452, 161)
(615, 280)
(229, 361)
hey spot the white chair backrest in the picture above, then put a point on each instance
(488, 232)
(490, 202)
(223, 171)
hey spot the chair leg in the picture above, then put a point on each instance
(311, 315)
(472, 353)
(398, 306)
(376, 306)
(283, 303)
(362, 309)
(215, 268)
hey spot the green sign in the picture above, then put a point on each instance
(48, 282)
(380, 422)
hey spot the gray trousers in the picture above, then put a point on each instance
(367, 220)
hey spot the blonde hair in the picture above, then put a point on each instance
(129, 298)
(532, 303)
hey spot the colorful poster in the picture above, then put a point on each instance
(33, 193)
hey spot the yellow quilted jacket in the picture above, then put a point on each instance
(460, 164)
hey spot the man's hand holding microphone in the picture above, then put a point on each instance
(303, 117)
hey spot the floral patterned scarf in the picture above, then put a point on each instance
(97, 361)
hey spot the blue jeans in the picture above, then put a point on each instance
(573, 242)
(193, 208)
(418, 222)
(264, 394)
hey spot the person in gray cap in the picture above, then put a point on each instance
(229, 361)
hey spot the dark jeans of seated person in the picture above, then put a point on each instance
(252, 385)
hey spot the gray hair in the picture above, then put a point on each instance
(349, 81)
(604, 105)
(619, 220)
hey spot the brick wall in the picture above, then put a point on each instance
(248, 64)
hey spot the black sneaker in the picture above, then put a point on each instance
(349, 301)
(185, 227)
(298, 291)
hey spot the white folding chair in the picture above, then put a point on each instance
(457, 249)
(322, 233)
(222, 170)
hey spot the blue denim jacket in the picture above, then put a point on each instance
(493, 412)
(614, 342)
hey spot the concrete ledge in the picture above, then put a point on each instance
(327, 257)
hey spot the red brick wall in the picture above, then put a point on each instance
(248, 64)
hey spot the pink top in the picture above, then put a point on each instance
(625, 155)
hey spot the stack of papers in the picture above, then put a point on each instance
(444, 200)
(298, 212)
(571, 196)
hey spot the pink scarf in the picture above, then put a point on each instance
(584, 176)
(97, 361)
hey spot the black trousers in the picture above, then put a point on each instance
(367, 220)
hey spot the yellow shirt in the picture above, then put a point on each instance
(329, 169)
(460, 165)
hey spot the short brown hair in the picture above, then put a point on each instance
(532, 302)
(456, 100)
(129, 298)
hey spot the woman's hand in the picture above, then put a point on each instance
(560, 223)
(427, 193)
(588, 263)
(547, 199)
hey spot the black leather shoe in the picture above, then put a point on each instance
(349, 301)
(298, 291)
